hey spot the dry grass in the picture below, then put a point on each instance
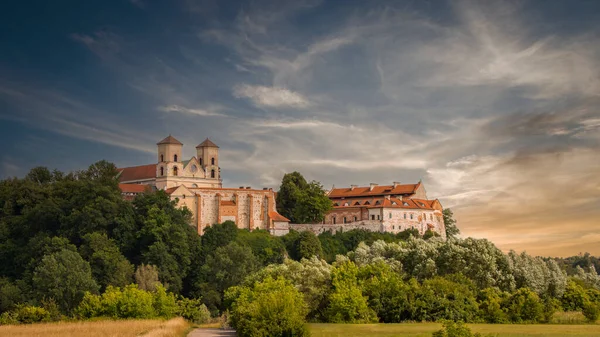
(175, 327)
(569, 317)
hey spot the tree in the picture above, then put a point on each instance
(346, 302)
(268, 308)
(226, 267)
(146, 277)
(65, 277)
(302, 202)
(452, 230)
(109, 266)
(524, 306)
(289, 193)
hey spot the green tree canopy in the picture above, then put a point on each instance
(64, 277)
(302, 202)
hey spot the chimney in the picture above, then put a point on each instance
(372, 186)
(352, 187)
(264, 188)
(396, 183)
(241, 187)
(247, 187)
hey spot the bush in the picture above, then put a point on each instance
(26, 314)
(524, 306)
(442, 298)
(164, 303)
(455, 329)
(591, 311)
(193, 310)
(490, 306)
(346, 302)
(268, 308)
(130, 302)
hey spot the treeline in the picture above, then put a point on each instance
(69, 245)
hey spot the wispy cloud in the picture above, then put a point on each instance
(271, 96)
(212, 111)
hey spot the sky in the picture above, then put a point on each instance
(494, 105)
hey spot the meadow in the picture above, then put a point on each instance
(175, 327)
(426, 329)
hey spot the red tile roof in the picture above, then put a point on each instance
(278, 217)
(207, 143)
(392, 202)
(169, 140)
(171, 189)
(137, 172)
(134, 188)
(377, 190)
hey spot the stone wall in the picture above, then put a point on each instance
(374, 226)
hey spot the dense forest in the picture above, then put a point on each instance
(70, 246)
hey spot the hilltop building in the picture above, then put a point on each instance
(393, 208)
(196, 183)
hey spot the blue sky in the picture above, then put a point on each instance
(494, 104)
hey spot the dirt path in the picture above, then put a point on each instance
(212, 333)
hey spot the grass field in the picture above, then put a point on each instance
(425, 330)
(124, 328)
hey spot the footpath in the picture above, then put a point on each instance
(212, 333)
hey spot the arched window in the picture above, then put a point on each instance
(175, 170)
(411, 216)
(212, 161)
(200, 161)
(333, 220)
(212, 173)
(162, 171)
(162, 157)
(175, 158)
(194, 185)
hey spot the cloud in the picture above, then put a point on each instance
(200, 112)
(271, 97)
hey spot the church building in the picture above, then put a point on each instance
(196, 183)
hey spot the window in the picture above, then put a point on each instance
(404, 215)
(411, 216)
(393, 227)
(357, 203)
(194, 168)
(344, 219)
(194, 185)
(406, 204)
(372, 217)
(175, 170)
(431, 217)
(200, 161)
(175, 158)
(355, 218)
(390, 215)
(346, 204)
(162, 171)
(162, 157)
(212, 161)
(333, 220)
(212, 173)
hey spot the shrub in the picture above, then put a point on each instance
(193, 310)
(591, 311)
(268, 308)
(347, 303)
(130, 302)
(28, 314)
(9, 317)
(524, 306)
(490, 306)
(454, 329)
(164, 303)
(441, 298)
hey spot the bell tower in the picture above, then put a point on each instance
(169, 157)
(208, 156)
